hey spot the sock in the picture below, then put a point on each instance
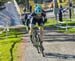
(31, 38)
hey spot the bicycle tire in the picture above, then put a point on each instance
(35, 41)
(41, 46)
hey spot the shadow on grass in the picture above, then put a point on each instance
(60, 56)
(60, 30)
(11, 51)
(54, 28)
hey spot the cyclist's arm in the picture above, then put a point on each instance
(45, 18)
(30, 16)
(29, 19)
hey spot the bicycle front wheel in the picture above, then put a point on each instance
(41, 48)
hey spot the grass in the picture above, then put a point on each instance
(6, 43)
(51, 23)
(5, 46)
(4, 52)
(16, 54)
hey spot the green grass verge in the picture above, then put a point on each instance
(51, 23)
(5, 46)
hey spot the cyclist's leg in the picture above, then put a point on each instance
(27, 24)
(30, 33)
(41, 36)
(41, 32)
(32, 24)
(40, 23)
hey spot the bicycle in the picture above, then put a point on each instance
(36, 41)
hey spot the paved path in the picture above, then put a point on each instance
(54, 51)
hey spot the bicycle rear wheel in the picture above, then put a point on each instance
(34, 42)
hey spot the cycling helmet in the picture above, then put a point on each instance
(38, 10)
(38, 5)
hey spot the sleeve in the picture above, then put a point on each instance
(30, 16)
(45, 18)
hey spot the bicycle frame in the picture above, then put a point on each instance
(35, 34)
(37, 41)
